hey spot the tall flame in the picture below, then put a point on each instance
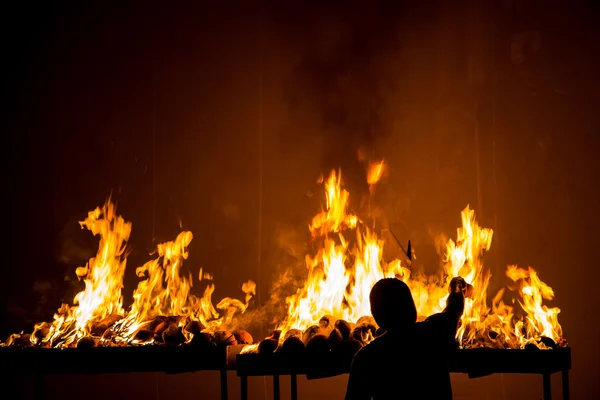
(333, 287)
(103, 278)
(347, 262)
(342, 272)
(163, 292)
(464, 258)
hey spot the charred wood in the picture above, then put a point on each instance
(293, 332)
(86, 342)
(194, 327)
(310, 332)
(318, 344)
(367, 320)
(335, 337)
(327, 322)
(172, 336)
(98, 328)
(344, 327)
(267, 346)
(144, 335)
(293, 345)
(203, 339)
(243, 337)
(225, 338)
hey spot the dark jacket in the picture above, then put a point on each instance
(410, 363)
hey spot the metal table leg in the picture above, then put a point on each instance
(547, 387)
(276, 391)
(565, 385)
(294, 386)
(244, 387)
(224, 389)
(39, 387)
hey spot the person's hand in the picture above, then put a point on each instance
(458, 285)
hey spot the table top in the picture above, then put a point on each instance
(475, 362)
(107, 360)
(181, 359)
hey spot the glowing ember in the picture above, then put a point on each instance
(349, 261)
(98, 315)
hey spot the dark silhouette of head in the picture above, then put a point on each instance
(392, 304)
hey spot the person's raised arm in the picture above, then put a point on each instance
(445, 324)
(459, 290)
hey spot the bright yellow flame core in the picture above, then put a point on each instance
(341, 275)
(164, 292)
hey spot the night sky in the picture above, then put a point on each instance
(219, 120)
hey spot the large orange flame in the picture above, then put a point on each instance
(164, 292)
(342, 272)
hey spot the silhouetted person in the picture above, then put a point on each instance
(409, 361)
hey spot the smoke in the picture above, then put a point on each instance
(271, 313)
(336, 104)
(341, 77)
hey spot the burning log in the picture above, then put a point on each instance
(194, 327)
(293, 345)
(364, 333)
(108, 334)
(144, 335)
(548, 342)
(173, 336)
(98, 328)
(293, 332)
(243, 337)
(23, 340)
(152, 324)
(269, 345)
(203, 339)
(367, 320)
(41, 331)
(327, 323)
(312, 331)
(318, 344)
(161, 328)
(335, 337)
(86, 342)
(225, 338)
(344, 327)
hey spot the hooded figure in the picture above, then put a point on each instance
(409, 361)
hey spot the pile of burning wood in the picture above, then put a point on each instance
(164, 311)
(341, 273)
(160, 331)
(330, 335)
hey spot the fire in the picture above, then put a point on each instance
(348, 262)
(335, 285)
(103, 278)
(374, 173)
(97, 311)
(541, 321)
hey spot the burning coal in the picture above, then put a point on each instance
(332, 308)
(163, 311)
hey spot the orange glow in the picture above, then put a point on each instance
(348, 262)
(163, 292)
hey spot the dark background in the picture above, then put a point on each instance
(221, 120)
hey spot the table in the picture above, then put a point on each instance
(475, 362)
(115, 360)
